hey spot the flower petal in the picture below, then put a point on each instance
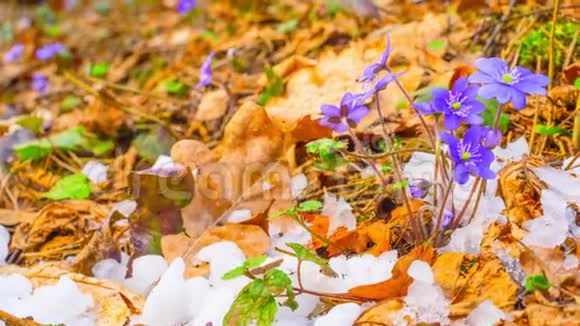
(535, 84)
(474, 119)
(440, 93)
(358, 113)
(330, 110)
(495, 90)
(480, 77)
(451, 122)
(460, 85)
(473, 135)
(495, 67)
(518, 99)
(461, 174)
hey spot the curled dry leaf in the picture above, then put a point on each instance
(520, 189)
(66, 220)
(468, 281)
(213, 105)
(287, 67)
(191, 153)
(537, 314)
(380, 312)
(399, 282)
(114, 304)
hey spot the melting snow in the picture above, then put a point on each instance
(95, 171)
(340, 315)
(339, 213)
(298, 183)
(486, 314)
(4, 241)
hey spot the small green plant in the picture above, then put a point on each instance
(256, 302)
(537, 42)
(537, 282)
(275, 87)
(304, 207)
(327, 151)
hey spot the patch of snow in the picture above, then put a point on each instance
(168, 303)
(339, 213)
(553, 227)
(425, 301)
(111, 269)
(486, 314)
(222, 257)
(4, 241)
(146, 271)
(298, 183)
(293, 233)
(95, 171)
(570, 262)
(61, 303)
(560, 181)
(163, 162)
(368, 172)
(266, 186)
(239, 215)
(511, 264)
(575, 170)
(468, 238)
(352, 271)
(125, 207)
(340, 315)
(513, 152)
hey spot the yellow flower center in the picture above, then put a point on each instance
(465, 156)
(456, 106)
(507, 78)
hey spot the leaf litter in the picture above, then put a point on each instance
(254, 163)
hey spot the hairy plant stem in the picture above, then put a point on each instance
(446, 195)
(415, 223)
(359, 147)
(410, 100)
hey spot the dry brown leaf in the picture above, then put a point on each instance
(114, 304)
(447, 271)
(549, 262)
(191, 153)
(537, 314)
(520, 189)
(399, 282)
(484, 279)
(380, 312)
(287, 67)
(10, 217)
(251, 239)
(66, 218)
(213, 105)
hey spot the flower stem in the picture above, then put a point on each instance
(410, 100)
(442, 209)
(399, 177)
(459, 216)
(360, 148)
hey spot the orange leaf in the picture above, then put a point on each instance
(380, 234)
(398, 284)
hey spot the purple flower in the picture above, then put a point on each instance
(491, 137)
(507, 85)
(39, 83)
(373, 69)
(48, 51)
(348, 115)
(469, 154)
(447, 219)
(205, 77)
(419, 188)
(425, 108)
(458, 104)
(184, 7)
(14, 54)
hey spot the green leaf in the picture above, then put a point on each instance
(246, 265)
(387, 168)
(303, 253)
(69, 103)
(401, 185)
(279, 282)
(99, 70)
(153, 143)
(545, 130)
(537, 282)
(491, 107)
(436, 45)
(176, 87)
(327, 152)
(577, 83)
(74, 186)
(68, 140)
(30, 122)
(310, 206)
(275, 87)
(209, 35)
(254, 303)
(288, 26)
